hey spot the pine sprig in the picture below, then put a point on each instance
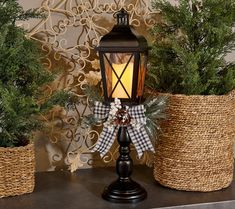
(155, 111)
(94, 93)
(60, 98)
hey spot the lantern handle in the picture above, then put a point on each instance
(122, 17)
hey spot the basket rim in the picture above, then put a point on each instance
(155, 92)
(29, 145)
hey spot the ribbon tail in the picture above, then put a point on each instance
(105, 140)
(101, 111)
(140, 139)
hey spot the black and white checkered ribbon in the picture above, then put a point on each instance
(136, 130)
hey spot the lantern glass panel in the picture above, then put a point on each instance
(119, 69)
(141, 76)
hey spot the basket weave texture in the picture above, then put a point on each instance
(17, 168)
(194, 152)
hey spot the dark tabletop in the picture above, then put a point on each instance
(82, 190)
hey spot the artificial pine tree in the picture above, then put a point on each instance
(22, 77)
(190, 45)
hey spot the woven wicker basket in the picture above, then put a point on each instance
(17, 167)
(195, 150)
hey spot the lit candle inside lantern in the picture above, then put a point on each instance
(126, 80)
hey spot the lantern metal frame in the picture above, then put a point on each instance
(124, 39)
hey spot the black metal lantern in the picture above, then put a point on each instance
(123, 60)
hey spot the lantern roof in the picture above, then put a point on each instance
(122, 37)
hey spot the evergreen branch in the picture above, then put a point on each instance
(31, 13)
(60, 98)
(155, 112)
(93, 93)
(190, 47)
(22, 77)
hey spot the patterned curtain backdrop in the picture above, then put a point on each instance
(68, 35)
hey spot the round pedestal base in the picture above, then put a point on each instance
(124, 192)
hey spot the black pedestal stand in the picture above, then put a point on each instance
(124, 189)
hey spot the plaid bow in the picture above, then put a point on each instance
(135, 129)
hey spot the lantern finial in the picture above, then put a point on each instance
(122, 17)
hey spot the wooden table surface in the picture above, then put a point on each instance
(82, 190)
